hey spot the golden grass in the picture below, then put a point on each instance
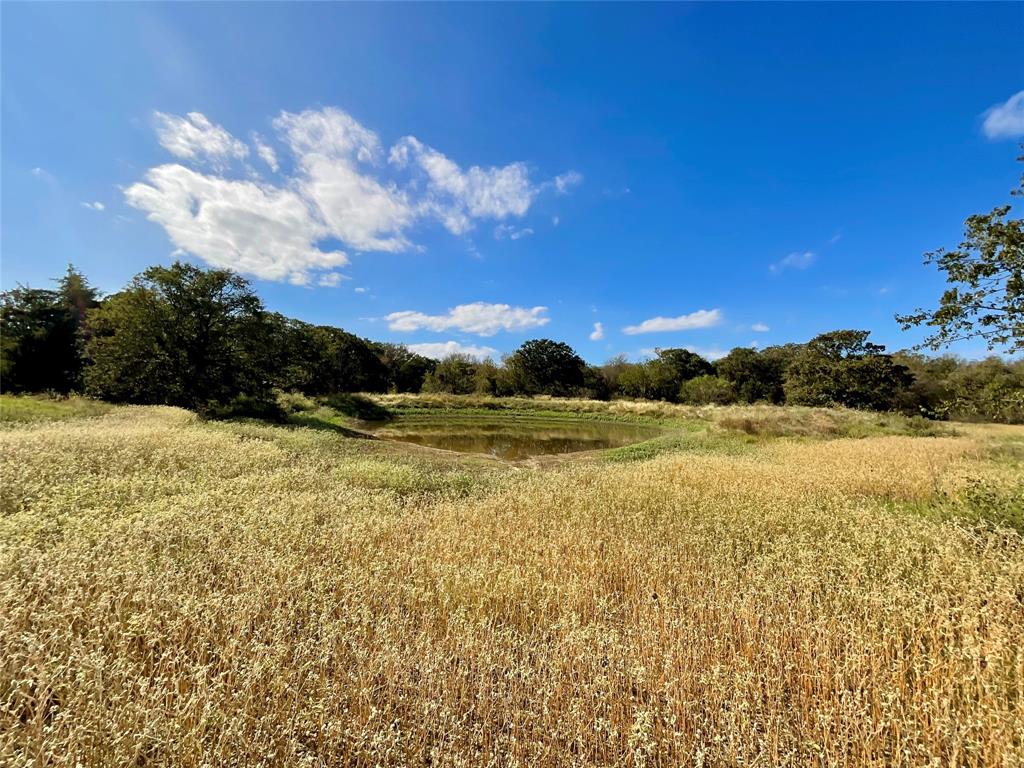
(190, 594)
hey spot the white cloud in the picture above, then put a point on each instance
(329, 146)
(1006, 120)
(760, 328)
(266, 152)
(330, 279)
(240, 225)
(480, 318)
(598, 333)
(361, 289)
(341, 188)
(194, 137)
(555, 221)
(702, 318)
(512, 233)
(566, 181)
(456, 197)
(96, 206)
(795, 260)
(442, 349)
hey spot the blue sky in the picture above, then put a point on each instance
(706, 176)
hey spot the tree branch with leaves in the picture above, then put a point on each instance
(986, 273)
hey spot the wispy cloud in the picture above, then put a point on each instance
(1006, 120)
(702, 318)
(480, 318)
(265, 151)
(458, 196)
(341, 184)
(760, 328)
(442, 349)
(565, 182)
(795, 260)
(598, 333)
(95, 206)
(194, 137)
(330, 279)
(42, 173)
(503, 231)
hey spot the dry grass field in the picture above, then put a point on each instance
(771, 587)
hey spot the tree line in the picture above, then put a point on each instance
(202, 339)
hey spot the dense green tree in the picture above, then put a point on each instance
(489, 378)
(295, 356)
(672, 368)
(986, 274)
(663, 381)
(41, 335)
(595, 386)
(406, 370)
(635, 381)
(612, 370)
(844, 368)
(661, 377)
(778, 358)
(684, 364)
(77, 295)
(948, 387)
(707, 390)
(347, 363)
(755, 376)
(455, 374)
(987, 390)
(929, 394)
(323, 360)
(179, 335)
(543, 366)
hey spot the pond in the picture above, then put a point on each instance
(513, 438)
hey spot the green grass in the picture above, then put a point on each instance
(29, 408)
(704, 442)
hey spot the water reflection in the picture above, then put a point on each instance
(514, 438)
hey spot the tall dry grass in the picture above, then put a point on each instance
(187, 594)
